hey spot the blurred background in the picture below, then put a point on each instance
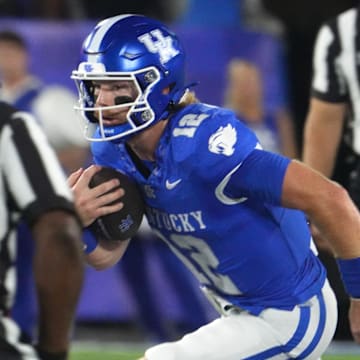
(275, 36)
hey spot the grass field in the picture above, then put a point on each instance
(132, 355)
(128, 350)
(339, 357)
(104, 355)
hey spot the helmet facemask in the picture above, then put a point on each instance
(140, 114)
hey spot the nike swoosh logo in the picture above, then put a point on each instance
(219, 191)
(170, 185)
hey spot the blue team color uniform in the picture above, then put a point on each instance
(216, 202)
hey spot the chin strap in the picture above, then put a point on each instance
(180, 93)
(176, 98)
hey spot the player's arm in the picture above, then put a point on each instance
(322, 134)
(295, 185)
(106, 254)
(92, 203)
(58, 272)
(329, 206)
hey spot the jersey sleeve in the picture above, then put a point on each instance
(328, 81)
(34, 180)
(259, 176)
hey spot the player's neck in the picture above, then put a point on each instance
(146, 142)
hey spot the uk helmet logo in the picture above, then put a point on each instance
(157, 43)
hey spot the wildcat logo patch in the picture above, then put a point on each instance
(223, 141)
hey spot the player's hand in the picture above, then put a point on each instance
(92, 203)
(354, 317)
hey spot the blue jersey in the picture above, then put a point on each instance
(219, 211)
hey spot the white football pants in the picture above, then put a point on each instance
(303, 333)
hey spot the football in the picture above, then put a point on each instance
(123, 224)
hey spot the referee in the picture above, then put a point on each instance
(332, 127)
(33, 187)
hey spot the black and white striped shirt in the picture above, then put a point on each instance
(336, 68)
(31, 182)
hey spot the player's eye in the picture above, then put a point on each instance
(117, 87)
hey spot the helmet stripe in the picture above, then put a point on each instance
(103, 27)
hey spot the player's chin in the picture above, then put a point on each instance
(111, 119)
(112, 122)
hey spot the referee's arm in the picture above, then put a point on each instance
(38, 186)
(328, 102)
(322, 134)
(327, 108)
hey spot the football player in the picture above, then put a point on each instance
(236, 215)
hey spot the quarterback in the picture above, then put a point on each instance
(236, 215)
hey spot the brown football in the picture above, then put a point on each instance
(123, 224)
